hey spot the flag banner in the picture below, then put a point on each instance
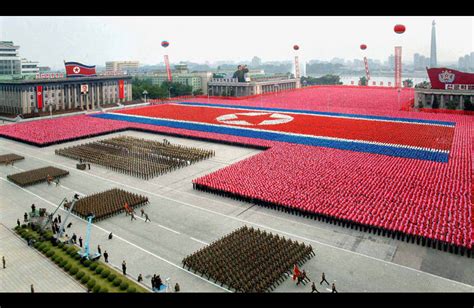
(121, 89)
(367, 73)
(76, 69)
(39, 97)
(445, 78)
(168, 69)
(398, 66)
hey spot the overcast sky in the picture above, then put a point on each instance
(94, 40)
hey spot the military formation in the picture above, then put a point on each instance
(140, 158)
(9, 159)
(106, 204)
(249, 260)
(31, 177)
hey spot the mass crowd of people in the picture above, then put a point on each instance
(249, 260)
(31, 177)
(136, 157)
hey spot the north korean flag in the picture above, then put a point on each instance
(76, 69)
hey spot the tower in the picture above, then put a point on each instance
(433, 59)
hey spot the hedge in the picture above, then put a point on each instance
(80, 274)
(111, 277)
(73, 270)
(91, 283)
(104, 290)
(117, 282)
(63, 263)
(50, 253)
(85, 279)
(87, 263)
(93, 266)
(105, 273)
(68, 266)
(124, 285)
(99, 270)
(131, 290)
(77, 256)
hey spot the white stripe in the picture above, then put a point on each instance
(121, 238)
(318, 115)
(202, 242)
(249, 222)
(292, 134)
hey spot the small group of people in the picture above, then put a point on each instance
(50, 179)
(130, 211)
(301, 277)
(156, 282)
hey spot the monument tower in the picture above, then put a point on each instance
(433, 59)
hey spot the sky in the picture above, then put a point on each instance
(95, 40)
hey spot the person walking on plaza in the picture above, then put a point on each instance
(74, 238)
(176, 287)
(106, 257)
(59, 218)
(313, 288)
(25, 217)
(33, 208)
(153, 282)
(142, 211)
(4, 262)
(32, 289)
(140, 278)
(80, 241)
(132, 216)
(323, 279)
(18, 222)
(99, 250)
(110, 236)
(334, 288)
(304, 276)
(124, 268)
(146, 218)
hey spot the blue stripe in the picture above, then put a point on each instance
(275, 136)
(79, 64)
(346, 115)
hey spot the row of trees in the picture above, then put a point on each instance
(166, 89)
(326, 79)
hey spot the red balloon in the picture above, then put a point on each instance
(296, 47)
(363, 47)
(399, 29)
(165, 44)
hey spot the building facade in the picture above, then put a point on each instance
(443, 99)
(85, 93)
(29, 67)
(122, 66)
(10, 62)
(197, 80)
(231, 86)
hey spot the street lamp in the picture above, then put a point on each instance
(145, 93)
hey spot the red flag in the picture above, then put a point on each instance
(39, 96)
(441, 78)
(121, 89)
(76, 69)
(296, 272)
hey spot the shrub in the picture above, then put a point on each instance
(85, 278)
(68, 266)
(23, 226)
(37, 245)
(104, 290)
(71, 251)
(131, 289)
(99, 270)
(50, 253)
(96, 289)
(105, 273)
(87, 263)
(117, 282)
(93, 266)
(63, 263)
(124, 285)
(77, 256)
(80, 274)
(91, 283)
(61, 245)
(59, 260)
(73, 270)
(111, 277)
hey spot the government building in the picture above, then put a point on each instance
(232, 87)
(23, 96)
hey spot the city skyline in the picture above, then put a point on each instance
(95, 40)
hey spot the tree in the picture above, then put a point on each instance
(363, 81)
(408, 83)
(324, 80)
(467, 104)
(423, 85)
(198, 92)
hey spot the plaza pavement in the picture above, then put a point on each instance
(185, 220)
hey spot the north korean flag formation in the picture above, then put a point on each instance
(76, 69)
(344, 153)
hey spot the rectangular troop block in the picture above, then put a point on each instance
(137, 157)
(9, 158)
(105, 204)
(36, 176)
(249, 260)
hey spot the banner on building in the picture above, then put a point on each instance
(121, 89)
(445, 78)
(39, 97)
(84, 88)
(398, 66)
(76, 69)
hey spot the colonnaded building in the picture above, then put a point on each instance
(25, 96)
(232, 87)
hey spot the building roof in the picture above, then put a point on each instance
(63, 80)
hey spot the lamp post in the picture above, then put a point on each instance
(145, 93)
